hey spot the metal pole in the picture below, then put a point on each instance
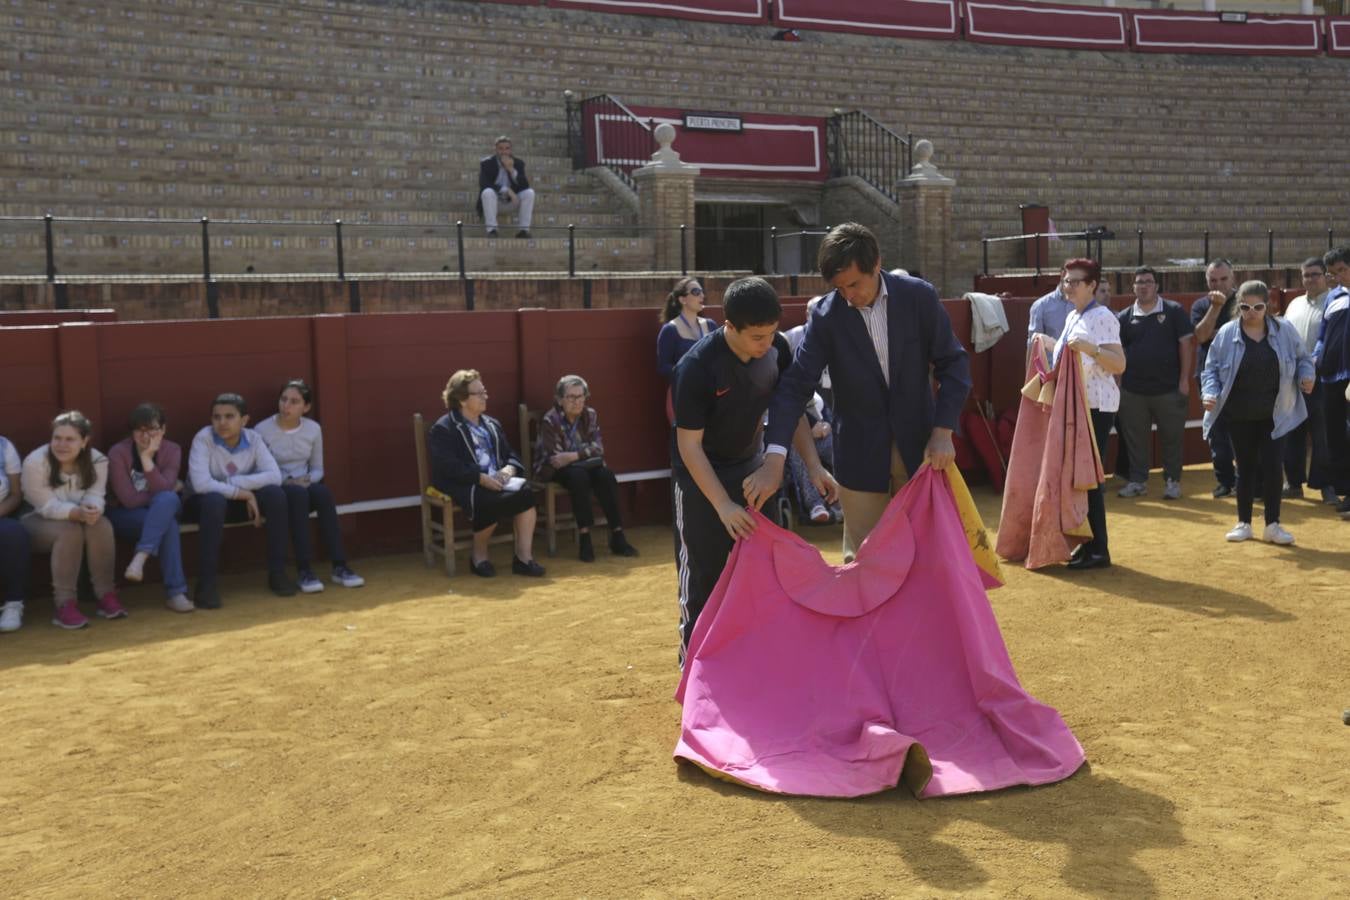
(51, 250)
(206, 250)
(773, 243)
(1331, 239)
(342, 265)
(1140, 233)
(1206, 246)
(459, 240)
(684, 251)
(1038, 254)
(1270, 248)
(571, 250)
(984, 244)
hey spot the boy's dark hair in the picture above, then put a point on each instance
(1314, 261)
(145, 415)
(1340, 254)
(228, 399)
(1146, 270)
(748, 302)
(847, 244)
(301, 388)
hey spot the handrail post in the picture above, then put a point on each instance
(984, 244)
(571, 250)
(51, 249)
(1270, 248)
(773, 244)
(1038, 254)
(684, 250)
(212, 294)
(341, 263)
(1206, 246)
(1140, 232)
(459, 241)
(206, 249)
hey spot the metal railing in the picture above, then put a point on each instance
(602, 131)
(1097, 235)
(858, 144)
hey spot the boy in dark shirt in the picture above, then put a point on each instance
(722, 390)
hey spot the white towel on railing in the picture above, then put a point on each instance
(988, 321)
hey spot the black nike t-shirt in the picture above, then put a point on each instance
(725, 398)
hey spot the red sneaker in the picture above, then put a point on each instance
(109, 607)
(68, 616)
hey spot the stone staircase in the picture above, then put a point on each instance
(378, 113)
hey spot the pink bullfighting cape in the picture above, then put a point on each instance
(1054, 463)
(805, 678)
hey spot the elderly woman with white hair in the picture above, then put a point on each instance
(1254, 379)
(571, 452)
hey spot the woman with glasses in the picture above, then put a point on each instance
(682, 327)
(1093, 331)
(1256, 368)
(473, 462)
(571, 452)
(143, 472)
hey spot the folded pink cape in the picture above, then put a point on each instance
(804, 678)
(1054, 463)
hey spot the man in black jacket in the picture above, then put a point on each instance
(502, 186)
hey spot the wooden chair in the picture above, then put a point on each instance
(438, 531)
(554, 521)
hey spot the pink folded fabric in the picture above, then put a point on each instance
(1054, 463)
(806, 678)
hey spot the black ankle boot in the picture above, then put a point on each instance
(586, 552)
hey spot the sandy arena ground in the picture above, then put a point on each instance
(430, 737)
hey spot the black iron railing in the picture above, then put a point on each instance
(860, 145)
(602, 131)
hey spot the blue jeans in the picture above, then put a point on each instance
(154, 530)
(14, 550)
(210, 511)
(300, 499)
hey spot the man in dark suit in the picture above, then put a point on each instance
(881, 336)
(503, 187)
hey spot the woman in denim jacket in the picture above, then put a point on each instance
(1252, 378)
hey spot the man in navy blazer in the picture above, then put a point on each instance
(881, 336)
(502, 186)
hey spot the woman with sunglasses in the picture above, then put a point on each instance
(1251, 382)
(1093, 331)
(681, 325)
(143, 473)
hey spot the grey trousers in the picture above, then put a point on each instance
(1138, 414)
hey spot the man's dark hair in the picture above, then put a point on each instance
(1146, 270)
(229, 399)
(1339, 255)
(1314, 261)
(845, 245)
(1222, 262)
(748, 302)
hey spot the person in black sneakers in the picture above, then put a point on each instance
(571, 452)
(503, 187)
(723, 386)
(472, 461)
(1208, 315)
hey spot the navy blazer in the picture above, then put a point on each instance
(489, 168)
(454, 463)
(869, 416)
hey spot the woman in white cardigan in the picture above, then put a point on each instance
(66, 483)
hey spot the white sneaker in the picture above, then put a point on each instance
(136, 568)
(1133, 489)
(1172, 490)
(180, 603)
(1274, 534)
(346, 577)
(11, 615)
(819, 514)
(1241, 532)
(309, 584)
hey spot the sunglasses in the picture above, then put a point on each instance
(697, 292)
(1252, 307)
